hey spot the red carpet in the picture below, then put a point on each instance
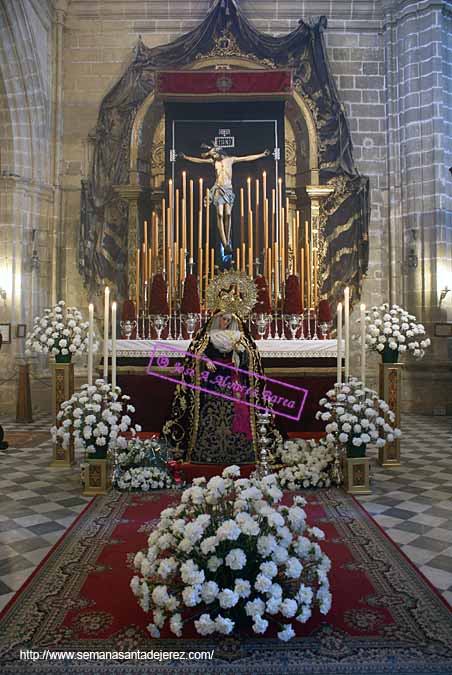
(384, 613)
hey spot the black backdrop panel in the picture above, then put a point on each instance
(253, 127)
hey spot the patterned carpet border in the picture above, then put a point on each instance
(419, 643)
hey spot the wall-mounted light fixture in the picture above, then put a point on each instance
(3, 295)
(443, 294)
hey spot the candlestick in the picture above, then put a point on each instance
(347, 332)
(363, 343)
(90, 342)
(339, 343)
(106, 317)
(113, 346)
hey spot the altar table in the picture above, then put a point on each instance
(304, 363)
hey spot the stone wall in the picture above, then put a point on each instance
(392, 64)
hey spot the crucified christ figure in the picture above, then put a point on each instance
(221, 193)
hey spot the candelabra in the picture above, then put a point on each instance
(261, 322)
(264, 441)
(159, 322)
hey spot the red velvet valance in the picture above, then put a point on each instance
(221, 82)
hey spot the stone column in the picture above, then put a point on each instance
(316, 193)
(133, 194)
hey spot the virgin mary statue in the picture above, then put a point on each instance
(213, 416)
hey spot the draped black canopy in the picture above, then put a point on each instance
(345, 216)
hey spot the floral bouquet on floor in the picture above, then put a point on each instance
(142, 465)
(356, 417)
(391, 330)
(94, 418)
(61, 332)
(309, 464)
(231, 555)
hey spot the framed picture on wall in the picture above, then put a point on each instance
(5, 332)
(21, 330)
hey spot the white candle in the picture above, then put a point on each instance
(363, 343)
(339, 343)
(347, 332)
(90, 342)
(113, 346)
(106, 317)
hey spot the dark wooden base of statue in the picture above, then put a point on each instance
(390, 390)
(23, 402)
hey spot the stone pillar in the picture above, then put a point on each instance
(132, 194)
(316, 193)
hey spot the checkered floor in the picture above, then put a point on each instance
(413, 503)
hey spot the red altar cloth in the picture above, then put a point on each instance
(200, 83)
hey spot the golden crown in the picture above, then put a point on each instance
(232, 292)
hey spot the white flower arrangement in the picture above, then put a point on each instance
(356, 417)
(60, 331)
(144, 478)
(231, 552)
(141, 465)
(308, 464)
(94, 417)
(395, 328)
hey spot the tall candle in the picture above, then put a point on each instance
(207, 236)
(243, 257)
(272, 240)
(168, 246)
(191, 220)
(184, 224)
(264, 184)
(242, 215)
(280, 202)
(200, 272)
(113, 346)
(156, 243)
(150, 265)
(163, 235)
(339, 343)
(237, 258)
(90, 342)
(302, 277)
(170, 219)
(106, 318)
(265, 224)
(347, 332)
(200, 207)
(308, 274)
(250, 244)
(212, 263)
(363, 343)
(248, 186)
(176, 233)
(184, 185)
(257, 219)
(170, 280)
(315, 282)
(137, 283)
(145, 242)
